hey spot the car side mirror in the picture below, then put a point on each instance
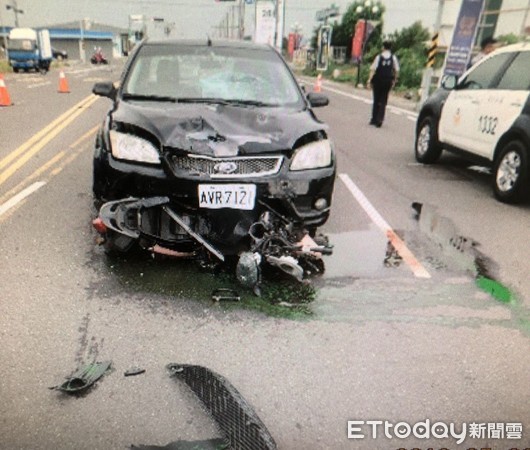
(449, 82)
(105, 89)
(317, 100)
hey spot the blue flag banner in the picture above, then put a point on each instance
(459, 52)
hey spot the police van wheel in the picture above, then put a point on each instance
(511, 182)
(427, 148)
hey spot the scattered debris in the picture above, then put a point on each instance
(84, 377)
(270, 239)
(247, 269)
(133, 371)
(392, 257)
(237, 420)
(211, 444)
(225, 294)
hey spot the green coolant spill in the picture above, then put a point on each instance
(495, 289)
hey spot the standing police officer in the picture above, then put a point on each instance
(384, 73)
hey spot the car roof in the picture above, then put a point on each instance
(249, 45)
(519, 47)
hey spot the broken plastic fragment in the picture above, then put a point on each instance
(84, 377)
(211, 444)
(225, 294)
(288, 264)
(133, 371)
(247, 269)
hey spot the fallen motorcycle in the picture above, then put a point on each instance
(154, 225)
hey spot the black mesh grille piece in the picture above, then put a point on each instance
(243, 166)
(237, 420)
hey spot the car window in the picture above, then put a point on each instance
(227, 73)
(486, 73)
(517, 75)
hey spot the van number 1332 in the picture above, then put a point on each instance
(487, 124)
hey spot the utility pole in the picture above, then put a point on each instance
(525, 17)
(5, 38)
(276, 22)
(429, 71)
(15, 9)
(241, 32)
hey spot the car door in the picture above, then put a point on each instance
(458, 123)
(500, 106)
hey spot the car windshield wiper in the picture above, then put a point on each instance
(224, 101)
(250, 102)
(150, 98)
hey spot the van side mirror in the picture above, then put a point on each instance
(105, 89)
(449, 82)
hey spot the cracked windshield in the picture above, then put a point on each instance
(265, 224)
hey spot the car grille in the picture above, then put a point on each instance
(240, 167)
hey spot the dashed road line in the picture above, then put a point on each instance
(393, 109)
(21, 196)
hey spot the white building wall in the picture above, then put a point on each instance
(512, 19)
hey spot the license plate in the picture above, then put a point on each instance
(234, 196)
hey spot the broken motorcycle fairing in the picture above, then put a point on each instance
(156, 225)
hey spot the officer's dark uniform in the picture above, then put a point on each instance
(382, 81)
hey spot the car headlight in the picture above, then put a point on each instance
(133, 148)
(313, 155)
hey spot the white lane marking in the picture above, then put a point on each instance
(363, 99)
(15, 200)
(417, 268)
(33, 86)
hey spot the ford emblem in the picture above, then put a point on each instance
(225, 168)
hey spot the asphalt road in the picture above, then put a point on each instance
(392, 338)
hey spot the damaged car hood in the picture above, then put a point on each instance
(217, 129)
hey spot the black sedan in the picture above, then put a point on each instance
(212, 149)
(59, 55)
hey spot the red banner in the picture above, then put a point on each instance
(358, 38)
(292, 44)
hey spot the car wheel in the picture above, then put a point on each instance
(510, 171)
(427, 148)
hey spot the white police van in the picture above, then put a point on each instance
(485, 117)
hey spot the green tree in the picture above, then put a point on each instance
(343, 31)
(410, 46)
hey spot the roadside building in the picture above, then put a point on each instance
(499, 18)
(76, 40)
(79, 42)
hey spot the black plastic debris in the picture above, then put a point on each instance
(84, 377)
(237, 420)
(211, 444)
(133, 371)
(225, 294)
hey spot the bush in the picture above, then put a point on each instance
(4, 66)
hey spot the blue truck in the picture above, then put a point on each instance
(29, 49)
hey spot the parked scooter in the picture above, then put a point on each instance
(98, 57)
